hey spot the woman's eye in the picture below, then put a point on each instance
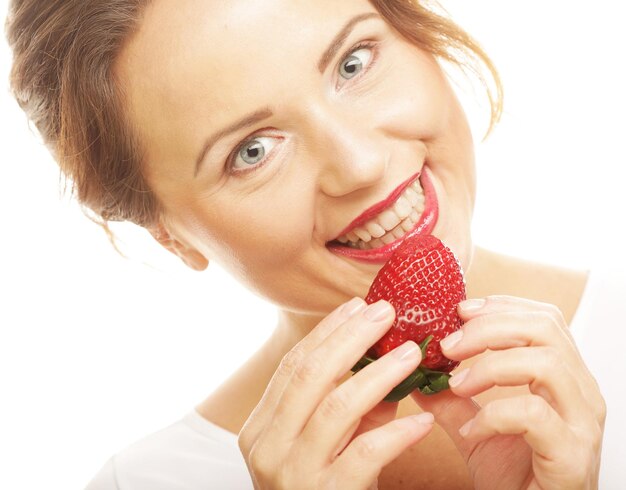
(253, 152)
(354, 63)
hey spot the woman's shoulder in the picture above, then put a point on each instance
(190, 453)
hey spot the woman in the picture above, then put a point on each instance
(201, 124)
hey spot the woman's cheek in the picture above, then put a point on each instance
(278, 234)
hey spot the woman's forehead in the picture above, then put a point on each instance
(175, 36)
(232, 53)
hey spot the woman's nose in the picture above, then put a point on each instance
(350, 155)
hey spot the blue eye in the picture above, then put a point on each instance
(252, 152)
(353, 64)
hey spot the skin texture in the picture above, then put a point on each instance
(334, 147)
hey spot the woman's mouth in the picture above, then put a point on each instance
(413, 212)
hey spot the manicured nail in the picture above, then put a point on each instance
(451, 340)
(466, 428)
(472, 304)
(406, 350)
(423, 418)
(353, 306)
(458, 378)
(378, 311)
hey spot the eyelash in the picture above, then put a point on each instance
(267, 159)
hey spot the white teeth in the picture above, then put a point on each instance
(398, 232)
(388, 219)
(352, 237)
(362, 234)
(388, 238)
(375, 229)
(411, 196)
(407, 224)
(391, 224)
(376, 242)
(402, 207)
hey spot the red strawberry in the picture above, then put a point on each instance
(424, 282)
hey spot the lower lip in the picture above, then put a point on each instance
(424, 226)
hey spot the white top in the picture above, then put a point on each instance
(195, 454)
(191, 454)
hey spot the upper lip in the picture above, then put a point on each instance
(379, 207)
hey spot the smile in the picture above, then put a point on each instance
(373, 236)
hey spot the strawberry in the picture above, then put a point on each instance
(424, 282)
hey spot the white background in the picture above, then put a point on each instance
(97, 351)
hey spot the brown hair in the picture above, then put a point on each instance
(63, 78)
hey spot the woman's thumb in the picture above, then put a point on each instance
(451, 412)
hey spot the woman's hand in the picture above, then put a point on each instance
(308, 431)
(549, 437)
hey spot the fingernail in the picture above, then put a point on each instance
(472, 304)
(466, 428)
(378, 311)
(457, 379)
(451, 340)
(406, 350)
(353, 306)
(423, 418)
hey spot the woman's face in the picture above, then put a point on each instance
(266, 135)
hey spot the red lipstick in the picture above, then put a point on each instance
(424, 226)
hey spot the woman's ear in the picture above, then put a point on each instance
(189, 255)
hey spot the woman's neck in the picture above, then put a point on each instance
(492, 273)
(293, 327)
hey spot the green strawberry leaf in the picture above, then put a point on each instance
(423, 379)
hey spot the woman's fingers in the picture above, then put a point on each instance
(365, 457)
(381, 414)
(504, 322)
(497, 330)
(320, 370)
(522, 321)
(264, 410)
(337, 413)
(541, 368)
(307, 422)
(451, 413)
(471, 308)
(529, 416)
(526, 343)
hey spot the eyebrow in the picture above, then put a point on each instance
(265, 112)
(340, 38)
